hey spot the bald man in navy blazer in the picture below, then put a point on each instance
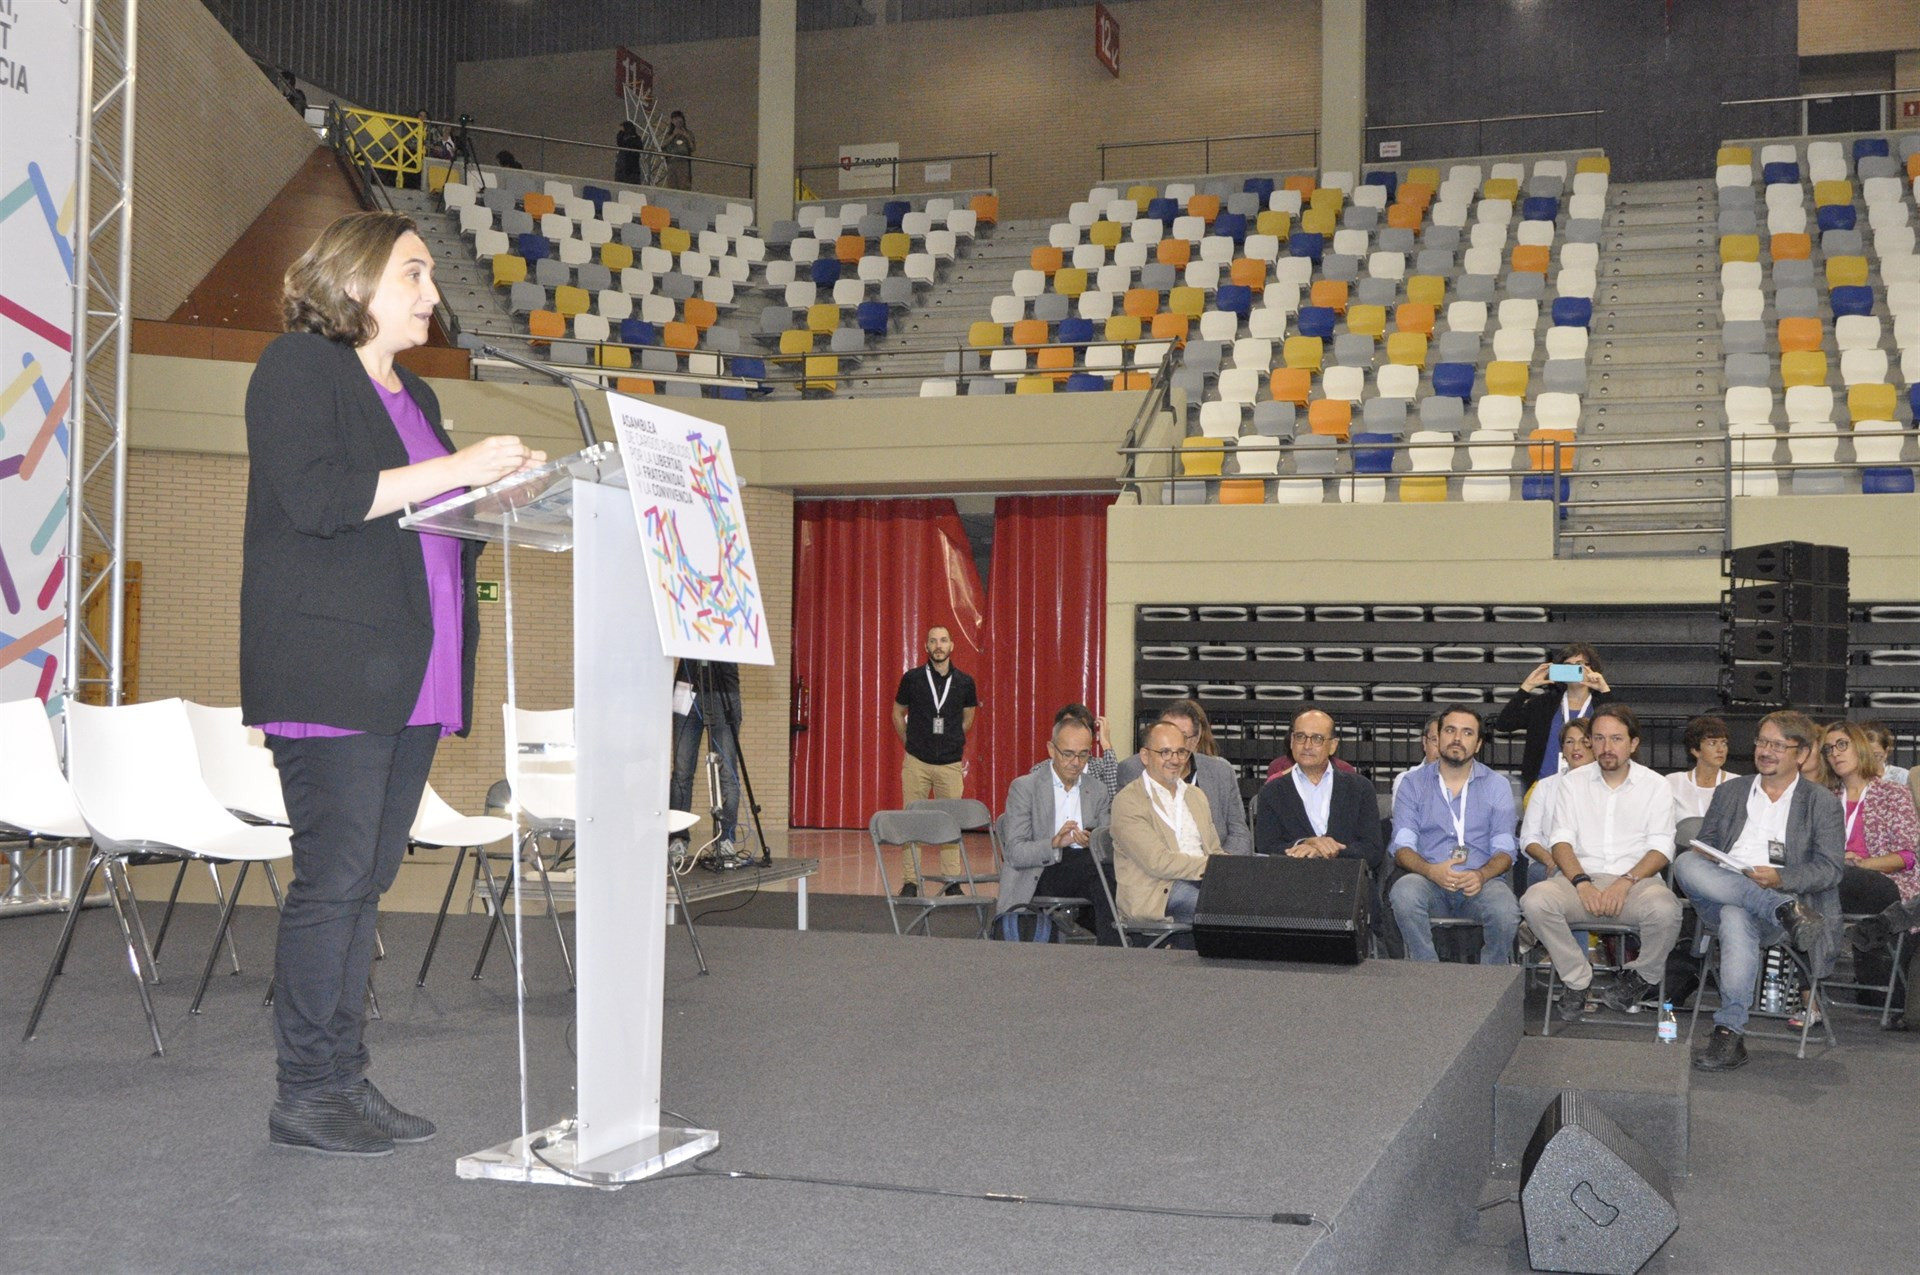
(1315, 810)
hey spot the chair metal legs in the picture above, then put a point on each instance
(111, 865)
(439, 922)
(553, 914)
(228, 903)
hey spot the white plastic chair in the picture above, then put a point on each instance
(36, 805)
(436, 825)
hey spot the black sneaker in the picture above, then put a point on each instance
(911, 890)
(1628, 993)
(1871, 934)
(1724, 1050)
(1570, 1006)
(326, 1124)
(953, 887)
(387, 1118)
(1800, 921)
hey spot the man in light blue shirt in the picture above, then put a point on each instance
(1453, 838)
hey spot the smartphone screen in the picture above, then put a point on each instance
(1566, 673)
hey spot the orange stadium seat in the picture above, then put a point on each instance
(1141, 303)
(655, 218)
(1030, 332)
(700, 312)
(545, 325)
(1331, 293)
(634, 385)
(1301, 182)
(1799, 334)
(1291, 385)
(1531, 258)
(1045, 258)
(1790, 246)
(680, 336)
(1405, 216)
(1174, 252)
(1540, 449)
(1414, 316)
(1332, 416)
(1055, 361)
(1243, 491)
(986, 209)
(537, 204)
(1169, 326)
(1248, 272)
(1205, 207)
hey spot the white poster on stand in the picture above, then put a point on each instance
(40, 88)
(693, 529)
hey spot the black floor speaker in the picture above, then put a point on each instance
(1272, 908)
(1593, 1199)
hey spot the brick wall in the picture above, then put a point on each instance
(1858, 26)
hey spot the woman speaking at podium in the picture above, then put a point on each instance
(357, 641)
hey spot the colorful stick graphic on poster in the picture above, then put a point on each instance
(693, 528)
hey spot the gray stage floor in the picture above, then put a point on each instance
(1097, 1076)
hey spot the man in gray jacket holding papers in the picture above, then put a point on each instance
(1788, 840)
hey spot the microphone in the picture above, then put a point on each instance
(467, 341)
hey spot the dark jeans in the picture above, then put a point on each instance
(1075, 877)
(351, 801)
(687, 758)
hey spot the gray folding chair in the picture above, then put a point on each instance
(972, 816)
(909, 830)
(1057, 909)
(1157, 931)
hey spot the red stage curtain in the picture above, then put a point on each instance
(870, 577)
(1047, 629)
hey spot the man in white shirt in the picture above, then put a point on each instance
(1612, 834)
(1051, 814)
(1162, 833)
(1788, 837)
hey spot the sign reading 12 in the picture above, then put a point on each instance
(1106, 39)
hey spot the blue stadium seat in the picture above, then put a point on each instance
(1836, 217)
(1453, 380)
(1539, 208)
(825, 272)
(1777, 173)
(1261, 186)
(1572, 312)
(1304, 243)
(599, 195)
(1851, 299)
(1913, 400)
(1074, 331)
(1237, 298)
(1384, 177)
(895, 210)
(638, 332)
(748, 367)
(1162, 209)
(1084, 383)
(1317, 320)
(1540, 487)
(736, 392)
(1373, 453)
(1864, 146)
(1232, 225)
(1886, 482)
(872, 317)
(534, 247)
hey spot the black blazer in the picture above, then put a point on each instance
(334, 619)
(1353, 818)
(1532, 711)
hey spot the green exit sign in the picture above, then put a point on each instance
(487, 590)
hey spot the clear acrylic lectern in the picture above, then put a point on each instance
(621, 676)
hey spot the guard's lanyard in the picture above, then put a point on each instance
(939, 694)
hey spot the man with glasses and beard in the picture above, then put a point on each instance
(1162, 834)
(1788, 839)
(1453, 839)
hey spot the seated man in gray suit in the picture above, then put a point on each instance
(1162, 834)
(1046, 832)
(1788, 837)
(1212, 774)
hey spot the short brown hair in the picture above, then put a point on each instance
(348, 257)
(1798, 728)
(1702, 729)
(1618, 712)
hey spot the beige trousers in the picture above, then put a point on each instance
(923, 779)
(1554, 911)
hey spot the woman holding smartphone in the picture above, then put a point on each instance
(1570, 687)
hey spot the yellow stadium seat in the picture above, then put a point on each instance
(1540, 449)
(614, 356)
(545, 324)
(1739, 248)
(1845, 272)
(1331, 293)
(1415, 316)
(1142, 196)
(537, 204)
(1427, 289)
(1202, 457)
(1304, 352)
(1030, 332)
(680, 336)
(1174, 252)
(655, 217)
(1790, 246)
(1733, 155)
(1499, 188)
(674, 239)
(1803, 367)
(508, 270)
(1274, 222)
(1799, 334)
(1070, 281)
(615, 256)
(1205, 207)
(796, 341)
(1169, 326)
(822, 373)
(1327, 199)
(1425, 489)
(823, 316)
(1507, 378)
(1123, 327)
(1105, 233)
(569, 300)
(1368, 320)
(1408, 349)
(1045, 258)
(1421, 176)
(1593, 164)
(1141, 303)
(1872, 402)
(896, 245)
(985, 334)
(1033, 385)
(1531, 258)
(1191, 302)
(1318, 221)
(1331, 416)
(1291, 384)
(1248, 272)
(1243, 491)
(1829, 193)
(700, 312)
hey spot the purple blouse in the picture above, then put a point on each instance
(440, 698)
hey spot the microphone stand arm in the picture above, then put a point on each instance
(573, 384)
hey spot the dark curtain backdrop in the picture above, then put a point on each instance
(870, 577)
(1046, 626)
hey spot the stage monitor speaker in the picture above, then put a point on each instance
(1272, 908)
(1789, 560)
(1798, 685)
(1795, 643)
(1593, 1200)
(1794, 603)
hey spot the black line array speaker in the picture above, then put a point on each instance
(1799, 685)
(1272, 908)
(1786, 641)
(1793, 602)
(1593, 1200)
(1789, 560)
(1799, 643)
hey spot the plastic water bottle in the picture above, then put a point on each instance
(1669, 1027)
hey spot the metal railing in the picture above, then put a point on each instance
(708, 176)
(350, 143)
(1803, 100)
(1343, 449)
(1207, 144)
(1479, 126)
(892, 164)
